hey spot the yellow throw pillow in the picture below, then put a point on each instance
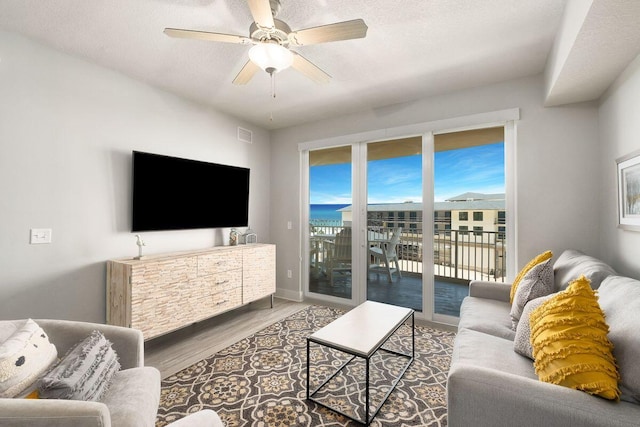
(537, 260)
(570, 344)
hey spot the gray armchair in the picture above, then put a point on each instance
(131, 400)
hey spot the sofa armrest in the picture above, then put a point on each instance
(490, 290)
(53, 413)
(484, 397)
(128, 343)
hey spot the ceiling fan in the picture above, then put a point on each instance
(271, 39)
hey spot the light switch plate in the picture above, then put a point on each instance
(40, 236)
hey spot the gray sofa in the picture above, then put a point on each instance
(489, 384)
(131, 400)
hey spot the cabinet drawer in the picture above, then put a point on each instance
(227, 300)
(201, 296)
(219, 261)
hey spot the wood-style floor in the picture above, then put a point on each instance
(173, 352)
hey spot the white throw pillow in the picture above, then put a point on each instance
(24, 357)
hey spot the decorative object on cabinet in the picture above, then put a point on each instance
(233, 237)
(140, 244)
(249, 237)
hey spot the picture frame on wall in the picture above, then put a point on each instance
(629, 191)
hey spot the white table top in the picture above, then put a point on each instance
(362, 330)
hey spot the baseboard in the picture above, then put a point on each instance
(296, 296)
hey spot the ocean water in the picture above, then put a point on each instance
(325, 212)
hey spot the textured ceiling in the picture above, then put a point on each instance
(413, 48)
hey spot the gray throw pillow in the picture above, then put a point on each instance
(536, 283)
(522, 340)
(84, 373)
(619, 298)
(572, 264)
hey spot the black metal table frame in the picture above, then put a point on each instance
(367, 419)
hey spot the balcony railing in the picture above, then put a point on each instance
(457, 254)
(470, 255)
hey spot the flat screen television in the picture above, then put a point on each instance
(171, 193)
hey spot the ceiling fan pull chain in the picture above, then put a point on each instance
(273, 84)
(273, 94)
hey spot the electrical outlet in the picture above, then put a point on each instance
(289, 274)
(40, 236)
(289, 225)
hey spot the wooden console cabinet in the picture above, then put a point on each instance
(162, 293)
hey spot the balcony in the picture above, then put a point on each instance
(459, 256)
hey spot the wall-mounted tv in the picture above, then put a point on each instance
(171, 193)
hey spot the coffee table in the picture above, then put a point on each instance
(362, 332)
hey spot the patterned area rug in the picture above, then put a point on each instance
(261, 380)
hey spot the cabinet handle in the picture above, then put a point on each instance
(223, 282)
(222, 302)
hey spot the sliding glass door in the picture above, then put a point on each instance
(330, 225)
(381, 243)
(469, 214)
(394, 222)
(409, 221)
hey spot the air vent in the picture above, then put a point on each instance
(245, 135)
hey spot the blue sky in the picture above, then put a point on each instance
(477, 169)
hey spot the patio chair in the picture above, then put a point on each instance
(339, 254)
(385, 254)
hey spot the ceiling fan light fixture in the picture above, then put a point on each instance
(271, 57)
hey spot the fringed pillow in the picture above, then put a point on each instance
(84, 373)
(535, 261)
(570, 344)
(24, 356)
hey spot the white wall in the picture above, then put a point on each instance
(619, 135)
(67, 129)
(558, 163)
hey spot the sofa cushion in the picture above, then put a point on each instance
(522, 340)
(620, 301)
(486, 315)
(570, 345)
(572, 264)
(133, 397)
(24, 356)
(482, 350)
(84, 373)
(537, 282)
(535, 261)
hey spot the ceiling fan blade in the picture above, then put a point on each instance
(309, 69)
(355, 29)
(261, 12)
(246, 74)
(204, 35)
